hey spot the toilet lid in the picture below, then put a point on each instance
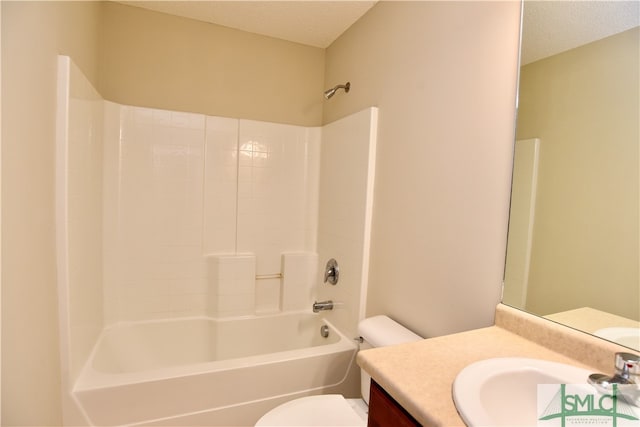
(323, 410)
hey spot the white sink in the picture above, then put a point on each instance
(504, 391)
(629, 337)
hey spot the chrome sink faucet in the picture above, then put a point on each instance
(322, 305)
(628, 367)
(627, 371)
(627, 377)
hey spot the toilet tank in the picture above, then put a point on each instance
(380, 331)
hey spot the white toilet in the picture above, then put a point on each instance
(333, 409)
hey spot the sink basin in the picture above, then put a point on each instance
(504, 391)
(629, 337)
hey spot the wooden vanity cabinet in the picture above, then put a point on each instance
(384, 411)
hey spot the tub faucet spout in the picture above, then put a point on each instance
(322, 305)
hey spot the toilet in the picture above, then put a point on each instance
(330, 410)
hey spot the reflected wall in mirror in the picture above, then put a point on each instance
(574, 233)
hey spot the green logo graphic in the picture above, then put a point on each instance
(574, 406)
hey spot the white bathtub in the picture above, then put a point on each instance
(207, 371)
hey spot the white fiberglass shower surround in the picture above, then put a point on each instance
(190, 250)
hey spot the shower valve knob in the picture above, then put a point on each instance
(331, 272)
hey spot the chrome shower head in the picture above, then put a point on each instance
(330, 92)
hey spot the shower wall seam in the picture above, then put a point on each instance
(205, 151)
(235, 241)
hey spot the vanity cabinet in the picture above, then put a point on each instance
(384, 411)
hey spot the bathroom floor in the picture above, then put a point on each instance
(360, 407)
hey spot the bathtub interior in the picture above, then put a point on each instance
(228, 391)
(151, 345)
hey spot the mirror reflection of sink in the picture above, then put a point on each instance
(503, 391)
(629, 337)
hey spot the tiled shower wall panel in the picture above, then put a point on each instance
(277, 191)
(220, 192)
(346, 199)
(154, 231)
(84, 217)
(180, 187)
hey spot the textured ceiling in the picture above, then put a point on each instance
(551, 27)
(314, 23)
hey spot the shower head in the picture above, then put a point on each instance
(330, 92)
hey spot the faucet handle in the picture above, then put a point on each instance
(628, 364)
(331, 272)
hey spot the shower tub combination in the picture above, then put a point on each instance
(206, 371)
(211, 360)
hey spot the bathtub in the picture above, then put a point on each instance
(209, 371)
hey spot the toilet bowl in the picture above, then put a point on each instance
(330, 410)
(323, 410)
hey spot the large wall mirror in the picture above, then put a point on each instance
(573, 253)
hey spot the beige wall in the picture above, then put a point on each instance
(33, 33)
(444, 77)
(583, 105)
(151, 59)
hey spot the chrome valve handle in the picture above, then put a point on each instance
(628, 366)
(331, 272)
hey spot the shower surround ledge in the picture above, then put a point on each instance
(420, 375)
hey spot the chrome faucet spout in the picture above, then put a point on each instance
(626, 378)
(322, 306)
